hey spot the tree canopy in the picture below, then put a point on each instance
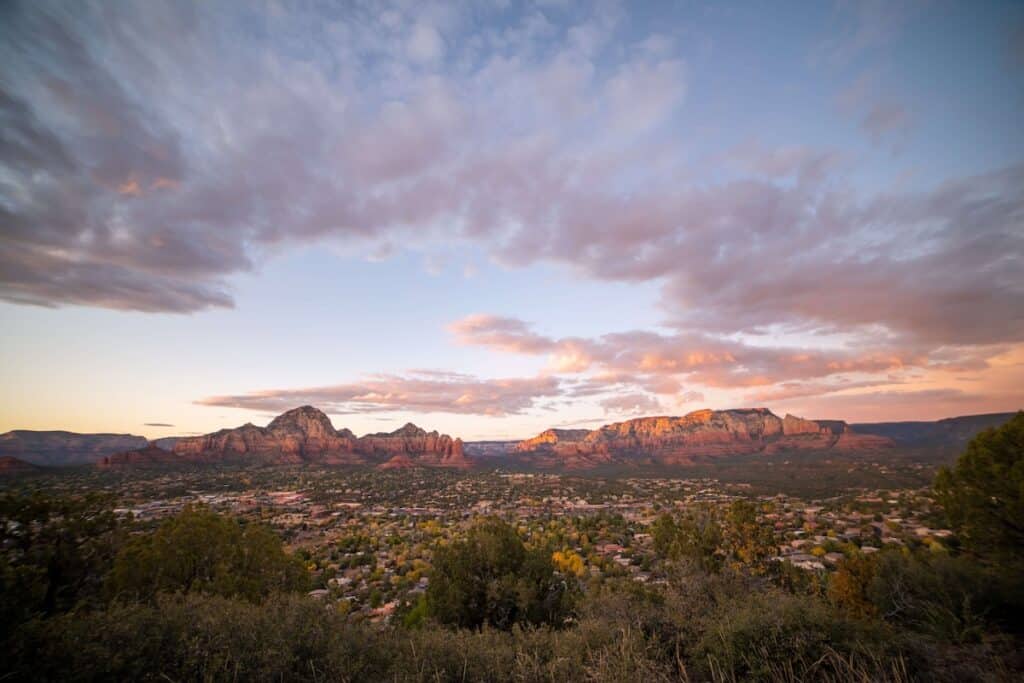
(492, 578)
(983, 492)
(201, 551)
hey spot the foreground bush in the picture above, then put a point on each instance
(202, 551)
(702, 628)
(492, 578)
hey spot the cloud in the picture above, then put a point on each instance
(789, 391)
(885, 117)
(865, 26)
(654, 359)
(425, 43)
(157, 424)
(922, 404)
(631, 404)
(881, 115)
(153, 154)
(504, 334)
(420, 391)
(642, 371)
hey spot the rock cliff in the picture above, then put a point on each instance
(148, 456)
(681, 440)
(306, 435)
(411, 446)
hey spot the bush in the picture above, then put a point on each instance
(774, 636)
(201, 551)
(491, 578)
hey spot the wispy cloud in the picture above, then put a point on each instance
(151, 155)
(231, 149)
(416, 391)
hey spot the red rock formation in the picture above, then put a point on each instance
(10, 466)
(297, 436)
(552, 437)
(306, 435)
(151, 455)
(398, 462)
(679, 440)
(429, 448)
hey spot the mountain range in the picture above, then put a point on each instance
(306, 435)
(681, 440)
(58, 448)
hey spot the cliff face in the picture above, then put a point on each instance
(679, 440)
(56, 448)
(552, 437)
(306, 435)
(299, 435)
(411, 446)
(150, 455)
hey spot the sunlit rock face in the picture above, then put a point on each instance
(680, 440)
(412, 446)
(306, 435)
(299, 435)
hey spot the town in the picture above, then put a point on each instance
(367, 536)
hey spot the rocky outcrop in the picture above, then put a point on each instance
(10, 466)
(306, 435)
(429, 448)
(301, 435)
(681, 440)
(150, 456)
(551, 437)
(58, 448)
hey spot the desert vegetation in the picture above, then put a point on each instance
(90, 595)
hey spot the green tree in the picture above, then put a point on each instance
(849, 588)
(53, 553)
(749, 542)
(983, 493)
(664, 532)
(492, 578)
(696, 536)
(201, 551)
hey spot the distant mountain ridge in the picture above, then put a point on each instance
(60, 448)
(951, 431)
(305, 435)
(705, 433)
(11, 466)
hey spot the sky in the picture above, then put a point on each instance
(495, 218)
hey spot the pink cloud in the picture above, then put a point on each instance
(417, 391)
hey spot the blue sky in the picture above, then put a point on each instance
(492, 219)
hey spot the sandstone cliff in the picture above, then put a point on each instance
(680, 440)
(306, 435)
(411, 445)
(148, 456)
(297, 436)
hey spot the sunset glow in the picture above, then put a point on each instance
(494, 220)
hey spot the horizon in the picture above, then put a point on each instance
(493, 221)
(597, 423)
